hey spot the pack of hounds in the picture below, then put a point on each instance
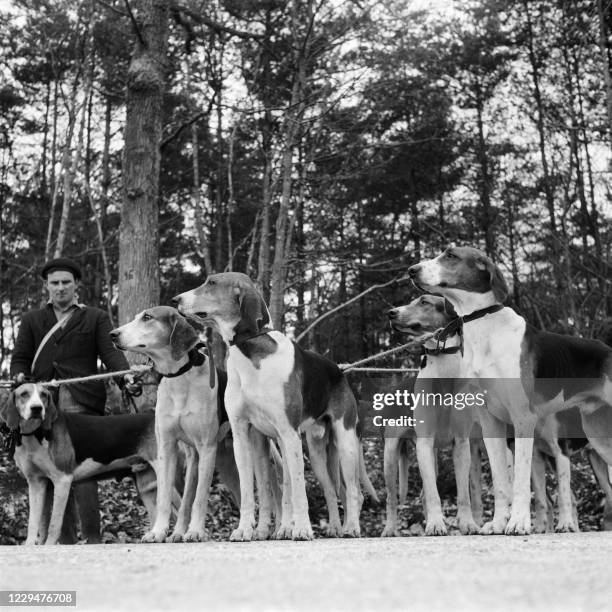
(239, 400)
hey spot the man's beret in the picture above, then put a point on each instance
(61, 263)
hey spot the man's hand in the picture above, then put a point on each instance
(132, 385)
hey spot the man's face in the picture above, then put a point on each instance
(61, 287)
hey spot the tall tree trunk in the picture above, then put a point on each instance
(603, 47)
(139, 228)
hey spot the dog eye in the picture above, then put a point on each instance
(451, 255)
(146, 317)
(210, 282)
(424, 301)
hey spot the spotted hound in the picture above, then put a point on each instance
(434, 424)
(66, 448)
(528, 374)
(189, 399)
(281, 390)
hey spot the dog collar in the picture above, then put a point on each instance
(240, 338)
(11, 438)
(195, 359)
(456, 327)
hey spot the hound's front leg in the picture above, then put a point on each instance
(494, 436)
(285, 528)
(291, 443)
(520, 517)
(206, 466)
(37, 489)
(244, 463)
(434, 523)
(166, 460)
(390, 462)
(61, 490)
(462, 459)
(261, 463)
(191, 481)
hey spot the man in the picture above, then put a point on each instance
(64, 340)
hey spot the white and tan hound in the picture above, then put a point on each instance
(187, 410)
(528, 374)
(281, 390)
(435, 425)
(67, 448)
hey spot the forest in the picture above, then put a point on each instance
(319, 146)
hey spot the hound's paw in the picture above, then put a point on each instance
(284, 532)
(390, 531)
(351, 531)
(154, 537)
(468, 527)
(539, 525)
(435, 527)
(302, 533)
(494, 527)
(520, 525)
(196, 535)
(262, 532)
(566, 526)
(242, 534)
(30, 542)
(175, 538)
(333, 530)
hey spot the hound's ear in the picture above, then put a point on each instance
(8, 410)
(496, 279)
(449, 309)
(254, 314)
(182, 337)
(50, 411)
(498, 284)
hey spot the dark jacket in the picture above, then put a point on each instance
(70, 352)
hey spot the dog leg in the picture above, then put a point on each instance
(494, 436)
(285, 529)
(261, 463)
(461, 461)
(538, 483)
(189, 492)
(565, 523)
(348, 449)
(391, 455)
(37, 490)
(61, 490)
(291, 449)
(600, 470)
(317, 448)
(206, 466)
(167, 450)
(434, 523)
(520, 516)
(476, 482)
(244, 463)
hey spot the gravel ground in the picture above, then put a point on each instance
(549, 572)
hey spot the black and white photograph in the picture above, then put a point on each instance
(306, 305)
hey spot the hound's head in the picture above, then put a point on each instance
(424, 315)
(156, 332)
(28, 407)
(462, 274)
(231, 300)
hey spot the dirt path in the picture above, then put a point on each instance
(553, 572)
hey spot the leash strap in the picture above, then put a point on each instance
(59, 325)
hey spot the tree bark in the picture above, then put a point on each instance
(139, 228)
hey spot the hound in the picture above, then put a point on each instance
(434, 424)
(67, 448)
(530, 373)
(281, 390)
(186, 410)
